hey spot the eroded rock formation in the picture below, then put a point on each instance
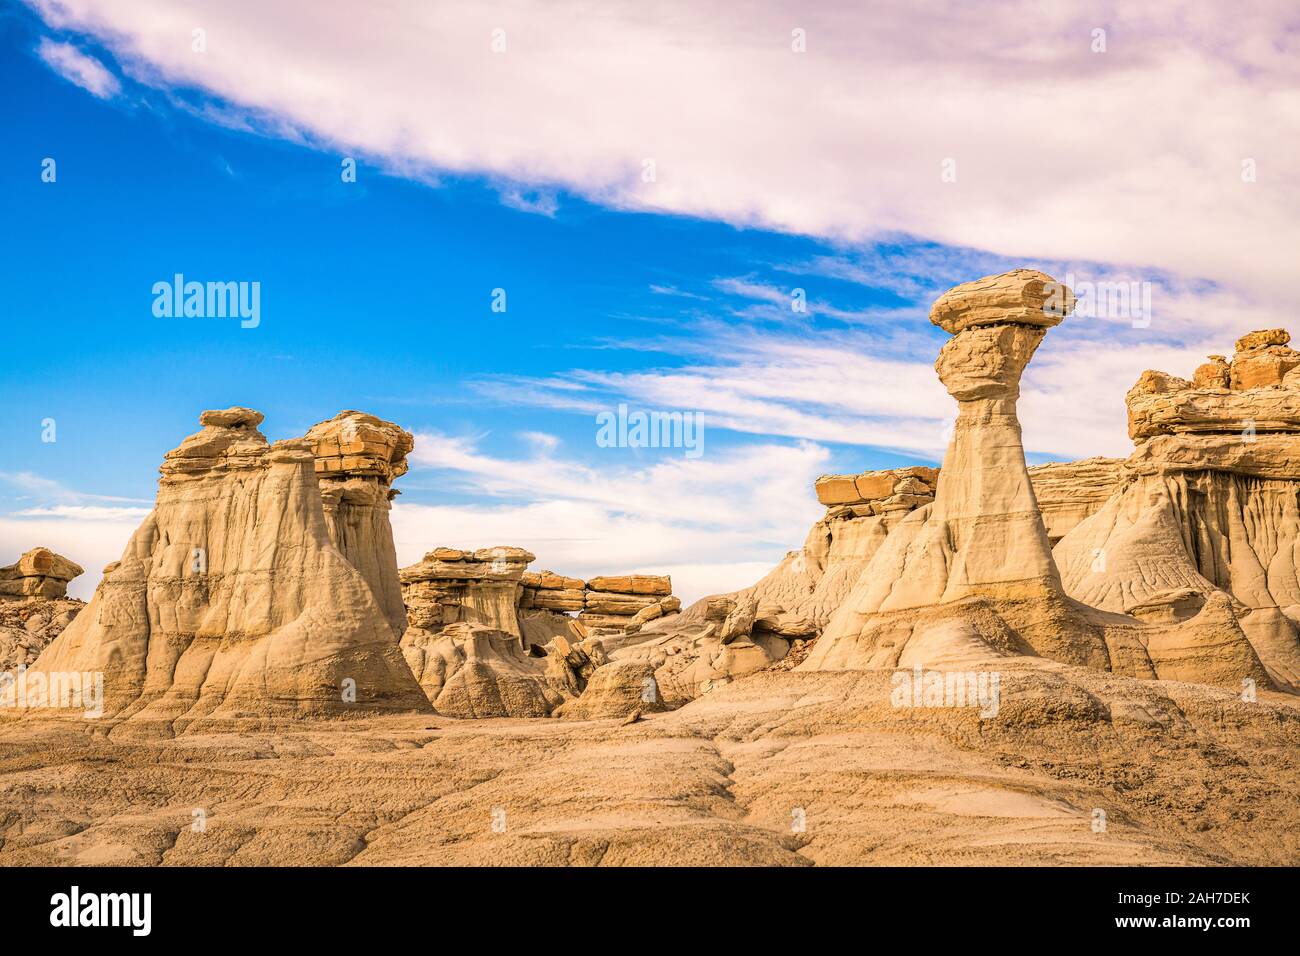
(981, 544)
(40, 574)
(358, 456)
(529, 617)
(946, 567)
(1206, 512)
(1070, 491)
(232, 600)
(877, 492)
(450, 585)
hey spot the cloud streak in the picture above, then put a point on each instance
(1132, 155)
(79, 68)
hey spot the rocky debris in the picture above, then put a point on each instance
(720, 640)
(452, 585)
(471, 671)
(358, 456)
(788, 606)
(40, 574)
(570, 663)
(799, 651)
(1069, 492)
(27, 627)
(231, 599)
(877, 492)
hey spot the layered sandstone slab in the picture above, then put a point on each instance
(878, 492)
(40, 574)
(452, 585)
(232, 600)
(357, 458)
(652, 584)
(1022, 296)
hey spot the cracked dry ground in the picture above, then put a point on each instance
(1185, 774)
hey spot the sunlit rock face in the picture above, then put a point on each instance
(357, 458)
(1208, 500)
(973, 576)
(231, 599)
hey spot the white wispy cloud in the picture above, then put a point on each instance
(79, 68)
(38, 486)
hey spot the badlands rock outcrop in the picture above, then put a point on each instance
(972, 577)
(358, 456)
(625, 602)
(724, 637)
(483, 608)
(450, 585)
(40, 574)
(607, 604)
(468, 670)
(940, 567)
(1206, 513)
(232, 600)
(972, 572)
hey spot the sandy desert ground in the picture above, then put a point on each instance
(1185, 774)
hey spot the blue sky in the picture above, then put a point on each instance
(376, 295)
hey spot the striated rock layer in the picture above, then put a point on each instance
(232, 600)
(358, 456)
(1069, 492)
(450, 585)
(514, 629)
(1208, 508)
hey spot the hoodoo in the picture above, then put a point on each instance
(232, 600)
(972, 572)
(918, 567)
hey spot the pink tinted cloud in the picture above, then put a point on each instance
(1133, 154)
